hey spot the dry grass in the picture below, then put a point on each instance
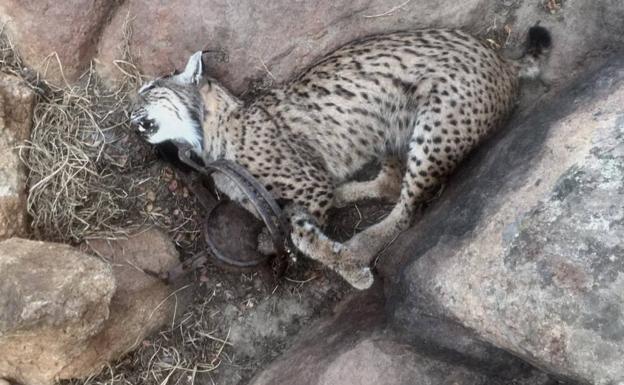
(10, 62)
(390, 11)
(553, 6)
(88, 173)
(185, 354)
(74, 191)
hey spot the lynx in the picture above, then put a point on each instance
(415, 101)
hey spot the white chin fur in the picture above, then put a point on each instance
(172, 128)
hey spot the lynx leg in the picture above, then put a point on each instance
(431, 156)
(307, 236)
(351, 259)
(386, 185)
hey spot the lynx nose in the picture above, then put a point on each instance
(138, 121)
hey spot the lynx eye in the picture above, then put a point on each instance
(144, 125)
(148, 124)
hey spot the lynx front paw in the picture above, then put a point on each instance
(306, 236)
(265, 243)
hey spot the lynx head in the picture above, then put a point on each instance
(170, 108)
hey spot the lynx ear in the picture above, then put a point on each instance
(193, 71)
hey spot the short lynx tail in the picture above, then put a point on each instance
(536, 46)
(538, 41)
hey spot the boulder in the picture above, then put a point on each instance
(355, 346)
(53, 298)
(262, 43)
(60, 320)
(141, 305)
(16, 108)
(526, 246)
(267, 43)
(268, 40)
(43, 30)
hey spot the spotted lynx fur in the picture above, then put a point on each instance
(416, 101)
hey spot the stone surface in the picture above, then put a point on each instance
(71, 29)
(266, 40)
(52, 299)
(16, 107)
(583, 31)
(356, 347)
(272, 41)
(65, 314)
(141, 305)
(526, 246)
(269, 42)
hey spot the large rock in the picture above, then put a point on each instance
(526, 246)
(53, 298)
(141, 305)
(356, 347)
(269, 40)
(272, 41)
(45, 29)
(65, 314)
(16, 108)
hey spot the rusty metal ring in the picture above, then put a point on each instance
(267, 208)
(223, 257)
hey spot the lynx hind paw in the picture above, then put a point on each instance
(361, 278)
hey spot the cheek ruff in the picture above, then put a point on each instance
(172, 122)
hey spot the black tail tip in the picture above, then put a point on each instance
(538, 41)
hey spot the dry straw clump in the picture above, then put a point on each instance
(73, 189)
(88, 173)
(9, 60)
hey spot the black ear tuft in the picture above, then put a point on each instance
(538, 41)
